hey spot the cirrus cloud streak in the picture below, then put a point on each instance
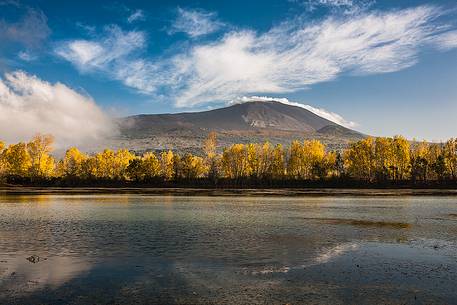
(291, 56)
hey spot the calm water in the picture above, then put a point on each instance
(123, 249)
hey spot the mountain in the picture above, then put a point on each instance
(255, 121)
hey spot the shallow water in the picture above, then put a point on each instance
(142, 249)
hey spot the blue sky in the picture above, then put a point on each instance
(381, 67)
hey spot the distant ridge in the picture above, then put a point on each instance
(254, 121)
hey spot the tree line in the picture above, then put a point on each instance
(371, 160)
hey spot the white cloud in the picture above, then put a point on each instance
(31, 30)
(89, 29)
(114, 54)
(29, 105)
(294, 56)
(137, 15)
(331, 116)
(26, 56)
(344, 6)
(101, 53)
(289, 57)
(446, 41)
(195, 23)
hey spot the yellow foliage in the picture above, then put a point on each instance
(2, 162)
(360, 159)
(211, 157)
(278, 162)
(42, 165)
(450, 158)
(73, 162)
(235, 161)
(108, 164)
(167, 167)
(305, 159)
(368, 159)
(192, 167)
(17, 160)
(151, 165)
(401, 158)
(209, 146)
(144, 168)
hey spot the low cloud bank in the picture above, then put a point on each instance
(331, 116)
(29, 105)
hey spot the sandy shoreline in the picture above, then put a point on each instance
(19, 190)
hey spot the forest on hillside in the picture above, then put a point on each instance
(371, 161)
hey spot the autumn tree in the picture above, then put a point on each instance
(151, 166)
(360, 159)
(89, 168)
(211, 158)
(260, 158)
(383, 158)
(401, 158)
(339, 165)
(167, 166)
(121, 162)
(145, 168)
(370, 159)
(435, 160)
(2, 162)
(109, 165)
(73, 163)
(235, 161)
(278, 167)
(39, 148)
(439, 167)
(103, 167)
(450, 158)
(192, 167)
(313, 158)
(326, 166)
(17, 160)
(419, 161)
(305, 160)
(295, 167)
(253, 161)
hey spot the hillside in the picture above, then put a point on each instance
(239, 123)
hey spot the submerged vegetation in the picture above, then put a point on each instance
(371, 161)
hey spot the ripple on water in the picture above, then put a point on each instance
(227, 250)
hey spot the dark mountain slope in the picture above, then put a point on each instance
(247, 116)
(239, 123)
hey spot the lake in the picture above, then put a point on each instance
(149, 249)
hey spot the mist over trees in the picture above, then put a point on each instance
(371, 160)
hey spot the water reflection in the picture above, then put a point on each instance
(334, 252)
(245, 250)
(18, 274)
